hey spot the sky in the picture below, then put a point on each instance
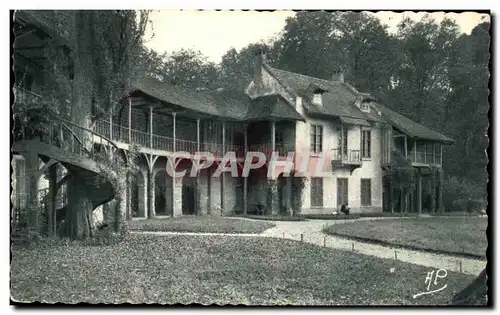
(215, 32)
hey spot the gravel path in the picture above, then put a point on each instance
(311, 232)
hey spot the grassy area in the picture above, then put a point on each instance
(352, 216)
(272, 217)
(219, 269)
(454, 235)
(207, 224)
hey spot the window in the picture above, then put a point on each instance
(429, 153)
(343, 140)
(437, 153)
(342, 192)
(316, 138)
(365, 107)
(366, 192)
(317, 192)
(366, 141)
(279, 138)
(317, 99)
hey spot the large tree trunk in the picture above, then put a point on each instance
(77, 225)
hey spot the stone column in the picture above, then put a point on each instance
(151, 196)
(274, 197)
(209, 187)
(245, 179)
(223, 175)
(433, 190)
(419, 192)
(273, 136)
(177, 196)
(31, 182)
(198, 193)
(129, 197)
(288, 195)
(390, 194)
(440, 206)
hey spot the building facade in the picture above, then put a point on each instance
(340, 142)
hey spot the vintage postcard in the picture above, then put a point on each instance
(332, 158)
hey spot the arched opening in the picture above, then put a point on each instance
(163, 194)
(137, 195)
(189, 196)
(284, 194)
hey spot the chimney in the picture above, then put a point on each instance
(338, 76)
(260, 59)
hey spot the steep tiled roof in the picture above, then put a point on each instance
(227, 104)
(175, 95)
(340, 99)
(410, 127)
(271, 107)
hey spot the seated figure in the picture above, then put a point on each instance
(344, 209)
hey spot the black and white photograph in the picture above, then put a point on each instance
(251, 158)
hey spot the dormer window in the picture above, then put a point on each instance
(365, 107)
(318, 98)
(316, 93)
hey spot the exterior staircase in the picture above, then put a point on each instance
(83, 153)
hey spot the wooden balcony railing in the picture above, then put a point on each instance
(349, 157)
(163, 143)
(266, 148)
(140, 138)
(186, 146)
(424, 158)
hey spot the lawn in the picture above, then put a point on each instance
(351, 216)
(207, 224)
(454, 235)
(218, 269)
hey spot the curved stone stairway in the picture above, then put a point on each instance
(82, 160)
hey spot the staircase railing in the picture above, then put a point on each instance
(71, 136)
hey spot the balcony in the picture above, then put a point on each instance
(350, 159)
(121, 135)
(425, 158)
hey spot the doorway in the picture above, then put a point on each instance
(342, 192)
(188, 198)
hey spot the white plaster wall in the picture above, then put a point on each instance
(371, 168)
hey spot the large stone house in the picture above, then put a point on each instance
(346, 138)
(361, 138)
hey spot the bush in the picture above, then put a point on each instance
(272, 217)
(461, 195)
